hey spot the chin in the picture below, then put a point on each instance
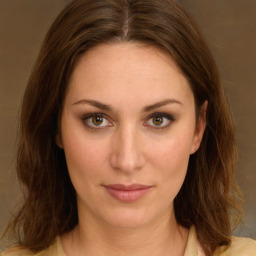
(128, 218)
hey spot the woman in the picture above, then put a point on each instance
(126, 142)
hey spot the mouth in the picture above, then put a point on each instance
(127, 193)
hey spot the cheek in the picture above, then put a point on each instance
(172, 150)
(85, 158)
(171, 158)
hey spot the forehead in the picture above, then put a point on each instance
(126, 71)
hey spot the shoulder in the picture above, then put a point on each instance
(243, 246)
(240, 246)
(16, 251)
(19, 251)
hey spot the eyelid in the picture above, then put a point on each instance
(95, 127)
(169, 117)
(164, 115)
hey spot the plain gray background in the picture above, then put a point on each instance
(230, 29)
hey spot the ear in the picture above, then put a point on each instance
(200, 127)
(58, 140)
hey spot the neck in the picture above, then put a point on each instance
(162, 237)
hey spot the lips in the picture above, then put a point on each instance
(127, 193)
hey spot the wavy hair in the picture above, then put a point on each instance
(208, 195)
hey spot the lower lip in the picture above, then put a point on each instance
(127, 196)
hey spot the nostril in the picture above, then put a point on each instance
(126, 162)
(126, 159)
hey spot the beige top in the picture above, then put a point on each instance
(239, 247)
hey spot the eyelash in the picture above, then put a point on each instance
(91, 115)
(164, 116)
(169, 118)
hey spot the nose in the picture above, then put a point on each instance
(127, 150)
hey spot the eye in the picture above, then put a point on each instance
(159, 120)
(96, 121)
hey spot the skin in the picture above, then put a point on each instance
(131, 143)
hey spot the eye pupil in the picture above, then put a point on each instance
(97, 120)
(158, 120)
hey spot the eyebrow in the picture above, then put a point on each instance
(161, 104)
(106, 107)
(95, 103)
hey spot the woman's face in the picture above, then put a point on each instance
(128, 128)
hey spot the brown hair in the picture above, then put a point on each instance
(207, 196)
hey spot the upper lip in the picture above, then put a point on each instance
(127, 187)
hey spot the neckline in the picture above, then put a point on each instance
(60, 250)
(193, 247)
